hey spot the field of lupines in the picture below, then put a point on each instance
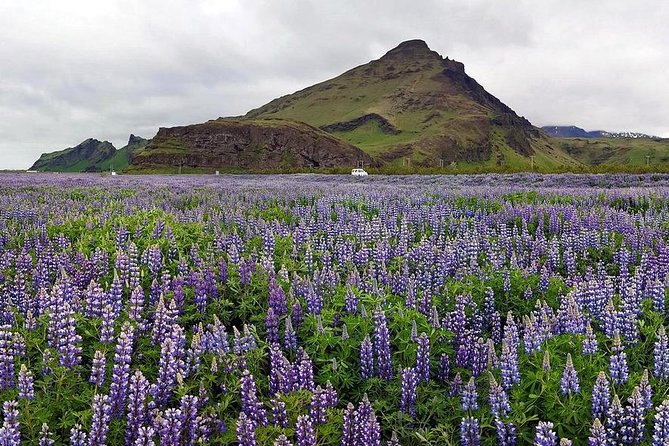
(328, 310)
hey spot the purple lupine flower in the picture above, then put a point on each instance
(98, 369)
(614, 421)
(499, 401)
(25, 384)
(618, 362)
(62, 329)
(161, 322)
(289, 336)
(107, 326)
(456, 385)
(121, 370)
(366, 359)
(394, 441)
(279, 413)
(569, 383)
(661, 427)
(444, 368)
(423, 358)
(189, 420)
(317, 406)
(646, 390)
(30, 322)
(94, 300)
(251, 404)
(544, 435)
(145, 436)
(169, 428)
(169, 367)
(633, 422)
(408, 401)
(115, 295)
(243, 343)
(601, 395)
(370, 433)
(279, 371)
(350, 301)
(271, 326)
(470, 396)
(136, 307)
(277, 298)
(509, 365)
(589, 341)
(330, 397)
(137, 414)
(382, 346)
(77, 436)
(546, 363)
(661, 355)
(100, 421)
(45, 436)
(47, 359)
(304, 370)
(344, 332)
(597, 434)
(217, 339)
(348, 426)
(304, 431)
(506, 433)
(657, 294)
(9, 433)
(282, 440)
(470, 432)
(296, 316)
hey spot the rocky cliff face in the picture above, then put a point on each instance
(255, 144)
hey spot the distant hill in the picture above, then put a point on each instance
(90, 155)
(571, 131)
(617, 152)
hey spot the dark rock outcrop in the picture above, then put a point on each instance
(248, 144)
(384, 125)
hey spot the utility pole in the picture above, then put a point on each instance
(441, 163)
(532, 162)
(647, 160)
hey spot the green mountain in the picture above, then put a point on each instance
(412, 106)
(91, 155)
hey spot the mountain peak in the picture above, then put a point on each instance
(415, 48)
(135, 139)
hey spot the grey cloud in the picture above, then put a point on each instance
(77, 69)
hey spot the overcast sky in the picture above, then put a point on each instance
(70, 70)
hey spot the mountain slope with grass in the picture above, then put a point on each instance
(413, 106)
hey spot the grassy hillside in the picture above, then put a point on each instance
(431, 111)
(612, 152)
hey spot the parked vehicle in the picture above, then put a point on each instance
(359, 173)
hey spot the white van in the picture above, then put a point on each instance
(359, 173)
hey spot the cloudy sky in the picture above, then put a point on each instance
(71, 70)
